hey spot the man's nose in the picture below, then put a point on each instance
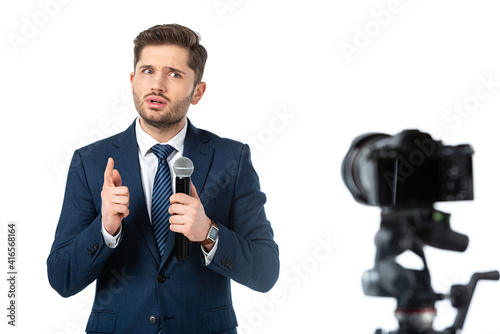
(159, 84)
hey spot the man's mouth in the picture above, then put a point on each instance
(156, 101)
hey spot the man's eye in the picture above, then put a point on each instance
(174, 75)
(147, 71)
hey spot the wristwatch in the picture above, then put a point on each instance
(213, 233)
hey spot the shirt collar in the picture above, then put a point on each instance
(145, 141)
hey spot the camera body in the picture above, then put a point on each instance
(409, 169)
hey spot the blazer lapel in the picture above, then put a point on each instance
(129, 168)
(201, 154)
(197, 149)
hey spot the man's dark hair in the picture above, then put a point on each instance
(174, 34)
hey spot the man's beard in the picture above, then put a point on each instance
(176, 112)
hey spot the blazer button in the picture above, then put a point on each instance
(152, 319)
(161, 278)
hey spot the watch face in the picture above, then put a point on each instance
(214, 232)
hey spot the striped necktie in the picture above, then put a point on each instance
(162, 190)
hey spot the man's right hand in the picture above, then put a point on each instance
(115, 199)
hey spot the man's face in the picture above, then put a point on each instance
(163, 86)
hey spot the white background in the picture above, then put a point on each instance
(65, 69)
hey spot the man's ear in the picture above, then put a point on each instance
(132, 75)
(199, 90)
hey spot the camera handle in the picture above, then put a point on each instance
(461, 296)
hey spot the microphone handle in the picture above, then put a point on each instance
(182, 185)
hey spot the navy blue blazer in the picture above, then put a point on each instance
(136, 290)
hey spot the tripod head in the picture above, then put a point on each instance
(410, 230)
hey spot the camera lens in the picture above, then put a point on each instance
(355, 171)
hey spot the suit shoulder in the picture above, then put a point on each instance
(221, 142)
(103, 146)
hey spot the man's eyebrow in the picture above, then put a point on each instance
(169, 68)
(173, 69)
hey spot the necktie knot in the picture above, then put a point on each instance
(162, 152)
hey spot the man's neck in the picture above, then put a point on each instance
(162, 135)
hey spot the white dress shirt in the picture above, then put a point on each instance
(149, 163)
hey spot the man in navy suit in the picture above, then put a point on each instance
(105, 229)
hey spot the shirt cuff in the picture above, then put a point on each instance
(210, 255)
(111, 241)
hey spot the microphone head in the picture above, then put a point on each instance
(183, 167)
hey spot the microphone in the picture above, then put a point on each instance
(183, 168)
